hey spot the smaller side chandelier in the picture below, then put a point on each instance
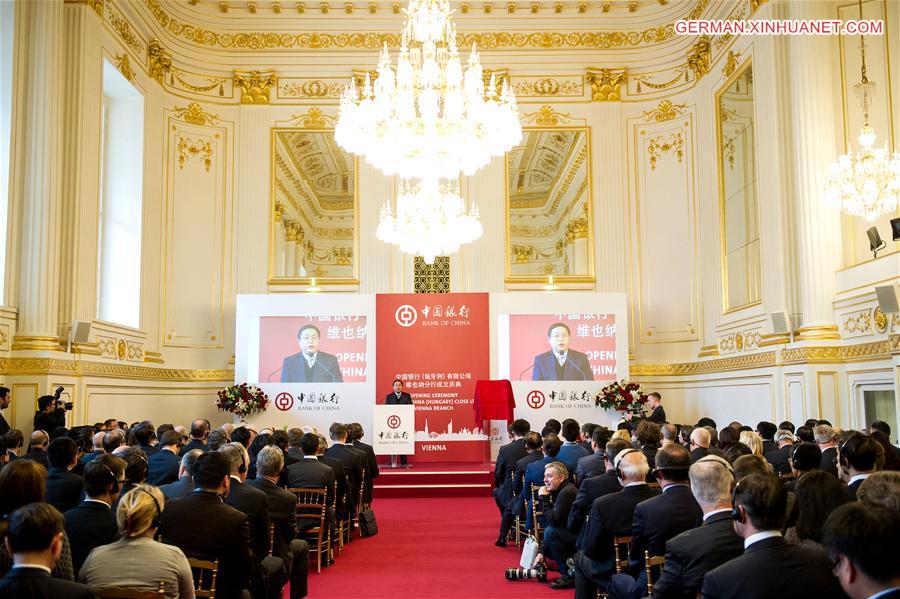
(867, 183)
(431, 219)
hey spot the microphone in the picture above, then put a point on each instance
(333, 378)
(586, 378)
(526, 370)
(269, 378)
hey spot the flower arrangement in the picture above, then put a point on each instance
(622, 396)
(242, 400)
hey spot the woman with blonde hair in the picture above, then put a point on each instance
(622, 433)
(136, 560)
(753, 441)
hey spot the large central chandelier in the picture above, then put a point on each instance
(428, 120)
(867, 183)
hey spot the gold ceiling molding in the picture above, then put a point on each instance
(195, 115)
(547, 117)
(82, 368)
(124, 66)
(125, 31)
(681, 70)
(254, 86)
(759, 360)
(606, 84)
(548, 86)
(313, 119)
(666, 111)
(708, 350)
(211, 83)
(309, 88)
(159, 61)
(97, 5)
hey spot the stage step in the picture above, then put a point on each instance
(435, 480)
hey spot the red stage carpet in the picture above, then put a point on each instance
(428, 548)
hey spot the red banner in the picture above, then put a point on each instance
(439, 346)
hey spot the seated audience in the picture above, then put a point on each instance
(817, 495)
(534, 473)
(766, 432)
(753, 441)
(92, 523)
(699, 443)
(881, 488)
(750, 464)
(199, 435)
(145, 438)
(136, 467)
(622, 433)
(281, 508)
(23, 482)
(778, 457)
(96, 450)
(891, 461)
(310, 472)
(63, 485)
(857, 458)
(162, 466)
(862, 546)
(351, 458)
(556, 497)
(595, 463)
(216, 440)
(356, 435)
(728, 436)
(551, 426)
(516, 502)
(185, 483)
(504, 468)
(14, 442)
(596, 486)
(343, 480)
(222, 533)
(805, 434)
(658, 519)
(587, 434)
(787, 425)
(610, 516)
(804, 458)
(571, 451)
(648, 436)
(769, 567)
(693, 553)
(242, 435)
(826, 438)
(112, 440)
(136, 560)
(684, 435)
(669, 433)
(736, 450)
(34, 536)
(37, 451)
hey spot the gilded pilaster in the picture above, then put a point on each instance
(41, 66)
(611, 203)
(253, 201)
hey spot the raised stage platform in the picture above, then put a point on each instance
(435, 480)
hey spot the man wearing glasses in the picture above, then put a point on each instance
(561, 363)
(310, 365)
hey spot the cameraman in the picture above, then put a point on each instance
(51, 413)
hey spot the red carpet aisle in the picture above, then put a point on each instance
(428, 548)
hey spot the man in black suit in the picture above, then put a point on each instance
(5, 400)
(163, 465)
(294, 436)
(293, 552)
(596, 486)
(51, 413)
(356, 433)
(144, 436)
(310, 472)
(63, 485)
(38, 451)
(398, 397)
(511, 453)
(700, 439)
(767, 431)
(862, 543)
(657, 414)
(513, 494)
(779, 457)
(857, 457)
(255, 504)
(690, 555)
(595, 463)
(804, 458)
(343, 481)
(659, 519)
(92, 523)
(556, 498)
(35, 540)
(610, 516)
(199, 435)
(352, 459)
(534, 472)
(204, 527)
(561, 363)
(185, 484)
(310, 365)
(826, 438)
(769, 567)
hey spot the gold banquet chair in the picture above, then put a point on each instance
(204, 572)
(650, 562)
(535, 513)
(311, 506)
(519, 523)
(131, 592)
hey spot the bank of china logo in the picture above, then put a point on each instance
(535, 400)
(394, 421)
(406, 315)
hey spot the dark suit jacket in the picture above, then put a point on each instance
(828, 463)
(163, 467)
(310, 473)
(693, 553)
(660, 518)
(699, 453)
(353, 462)
(779, 459)
(89, 525)
(180, 488)
(324, 370)
(281, 512)
(853, 487)
(191, 445)
(343, 484)
(150, 449)
(590, 465)
(405, 399)
(507, 457)
(558, 504)
(204, 527)
(590, 490)
(569, 455)
(658, 415)
(48, 422)
(4, 425)
(772, 568)
(63, 489)
(522, 466)
(39, 456)
(371, 468)
(534, 474)
(611, 515)
(575, 368)
(34, 583)
(768, 445)
(255, 505)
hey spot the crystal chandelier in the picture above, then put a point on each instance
(867, 183)
(426, 118)
(431, 219)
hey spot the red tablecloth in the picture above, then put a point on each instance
(494, 400)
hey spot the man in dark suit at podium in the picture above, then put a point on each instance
(561, 363)
(399, 397)
(310, 365)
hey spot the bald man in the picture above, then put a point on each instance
(38, 450)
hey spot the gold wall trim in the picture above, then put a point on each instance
(81, 368)
(26, 342)
(760, 360)
(818, 333)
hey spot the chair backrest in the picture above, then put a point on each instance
(311, 503)
(535, 512)
(131, 592)
(618, 541)
(362, 489)
(650, 562)
(204, 572)
(271, 537)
